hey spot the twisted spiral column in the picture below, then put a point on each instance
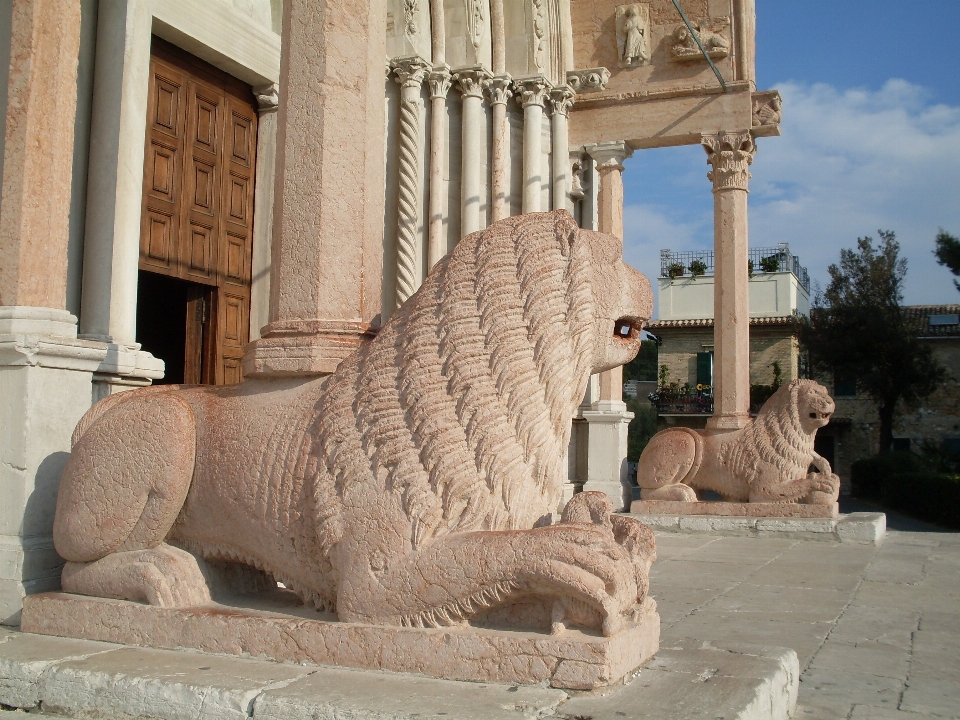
(410, 73)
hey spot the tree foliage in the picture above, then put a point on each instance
(644, 365)
(948, 253)
(857, 329)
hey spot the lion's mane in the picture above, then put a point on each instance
(462, 403)
(775, 437)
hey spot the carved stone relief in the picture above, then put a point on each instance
(476, 17)
(766, 108)
(411, 8)
(539, 33)
(589, 80)
(633, 34)
(683, 46)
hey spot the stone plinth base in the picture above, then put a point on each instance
(734, 509)
(861, 528)
(275, 627)
(303, 347)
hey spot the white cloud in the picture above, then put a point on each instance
(851, 162)
(847, 164)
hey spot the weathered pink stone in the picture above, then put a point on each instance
(279, 629)
(734, 509)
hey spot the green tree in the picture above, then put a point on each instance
(644, 365)
(642, 427)
(948, 253)
(856, 329)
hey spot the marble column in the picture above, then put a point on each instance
(327, 259)
(533, 92)
(729, 155)
(45, 371)
(268, 99)
(471, 82)
(561, 100)
(439, 79)
(410, 73)
(499, 92)
(608, 418)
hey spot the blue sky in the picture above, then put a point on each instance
(871, 139)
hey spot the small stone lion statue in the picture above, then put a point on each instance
(414, 486)
(767, 461)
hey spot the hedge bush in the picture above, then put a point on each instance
(866, 475)
(926, 495)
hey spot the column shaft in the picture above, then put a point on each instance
(439, 87)
(533, 93)
(38, 153)
(730, 154)
(267, 101)
(472, 82)
(561, 100)
(410, 74)
(499, 92)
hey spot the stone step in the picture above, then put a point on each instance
(79, 678)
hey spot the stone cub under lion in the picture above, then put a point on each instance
(415, 485)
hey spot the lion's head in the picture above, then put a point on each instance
(461, 406)
(785, 428)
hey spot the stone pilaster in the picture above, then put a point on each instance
(561, 101)
(440, 81)
(326, 269)
(730, 155)
(410, 73)
(471, 82)
(498, 92)
(268, 101)
(533, 93)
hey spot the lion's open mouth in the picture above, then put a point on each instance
(627, 328)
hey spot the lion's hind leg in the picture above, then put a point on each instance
(669, 459)
(121, 492)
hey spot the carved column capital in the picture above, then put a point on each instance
(440, 80)
(561, 99)
(410, 71)
(472, 81)
(268, 98)
(609, 155)
(729, 154)
(499, 89)
(532, 90)
(588, 80)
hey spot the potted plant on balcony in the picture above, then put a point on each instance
(770, 264)
(697, 268)
(675, 270)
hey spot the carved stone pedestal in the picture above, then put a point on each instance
(276, 626)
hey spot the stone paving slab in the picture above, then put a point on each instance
(863, 528)
(688, 680)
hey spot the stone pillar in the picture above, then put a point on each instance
(268, 98)
(111, 243)
(327, 259)
(471, 82)
(533, 93)
(499, 92)
(608, 417)
(45, 371)
(439, 80)
(730, 154)
(411, 73)
(561, 100)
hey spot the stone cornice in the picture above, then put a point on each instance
(472, 81)
(729, 154)
(532, 90)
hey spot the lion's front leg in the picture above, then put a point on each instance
(462, 574)
(770, 486)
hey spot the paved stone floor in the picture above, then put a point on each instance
(876, 630)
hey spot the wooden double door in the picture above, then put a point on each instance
(196, 237)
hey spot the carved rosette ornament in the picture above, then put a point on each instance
(410, 73)
(561, 99)
(729, 154)
(533, 90)
(499, 89)
(589, 80)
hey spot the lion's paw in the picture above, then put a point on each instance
(824, 489)
(677, 492)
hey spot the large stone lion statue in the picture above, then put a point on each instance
(414, 486)
(767, 461)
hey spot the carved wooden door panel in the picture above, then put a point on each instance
(197, 215)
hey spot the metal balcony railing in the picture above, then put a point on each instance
(769, 259)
